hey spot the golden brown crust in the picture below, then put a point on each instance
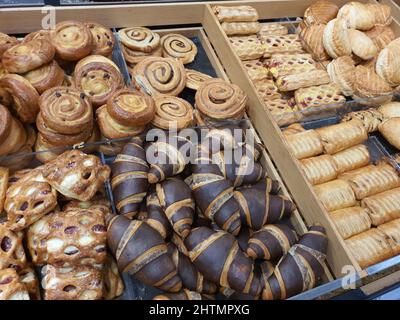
(179, 47)
(390, 110)
(45, 77)
(195, 78)
(4, 175)
(172, 112)
(5, 98)
(392, 233)
(240, 28)
(304, 144)
(282, 44)
(361, 45)
(40, 34)
(381, 36)
(335, 195)
(133, 57)
(293, 129)
(341, 72)
(272, 29)
(267, 89)
(247, 47)
(351, 221)
(311, 38)
(11, 288)
(103, 38)
(369, 84)
(6, 42)
(320, 12)
(357, 15)
(319, 169)
(285, 64)
(235, 13)
(381, 12)
(371, 118)
(45, 150)
(336, 38)
(256, 70)
(390, 130)
(352, 158)
(302, 80)
(139, 38)
(5, 123)
(14, 141)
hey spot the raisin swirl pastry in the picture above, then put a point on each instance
(98, 77)
(45, 151)
(12, 254)
(72, 40)
(65, 110)
(103, 38)
(178, 46)
(24, 95)
(6, 42)
(159, 76)
(15, 141)
(27, 56)
(133, 57)
(11, 288)
(172, 112)
(194, 79)
(220, 100)
(45, 77)
(139, 38)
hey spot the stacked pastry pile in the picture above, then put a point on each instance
(362, 199)
(215, 224)
(69, 244)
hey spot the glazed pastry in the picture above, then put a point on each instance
(98, 77)
(341, 136)
(357, 16)
(178, 46)
(247, 47)
(103, 38)
(390, 131)
(240, 28)
(113, 284)
(391, 231)
(276, 29)
(369, 247)
(139, 38)
(27, 56)
(381, 36)
(383, 207)
(351, 158)
(40, 34)
(112, 129)
(11, 287)
(369, 84)
(370, 118)
(284, 44)
(381, 12)
(45, 77)
(320, 12)
(341, 72)
(131, 108)
(293, 129)
(6, 42)
(220, 100)
(256, 70)
(388, 62)
(15, 141)
(336, 38)
(172, 112)
(68, 238)
(159, 76)
(24, 95)
(302, 80)
(267, 89)
(195, 78)
(361, 45)
(73, 283)
(283, 111)
(72, 40)
(133, 57)
(76, 175)
(335, 195)
(287, 64)
(237, 13)
(12, 254)
(351, 221)
(304, 144)
(311, 38)
(319, 169)
(28, 277)
(66, 110)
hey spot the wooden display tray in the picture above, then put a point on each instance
(339, 257)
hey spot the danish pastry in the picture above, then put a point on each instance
(178, 46)
(45, 77)
(302, 80)
(317, 96)
(28, 277)
(320, 12)
(45, 151)
(371, 118)
(72, 40)
(6, 42)
(12, 254)
(256, 70)
(319, 169)
(361, 45)
(11, 288)
(276, 29)
(392, 232)
(4, 174)
(335, 195)
(282, 44)
(194, 79)
(133, 57)
(267, 89)
(280, 65)
(304, 144)
(237, 13)
(113, 284)
(381, 36)
(159, 76)
(76, 175)
(341, 72)
(357, 15)
(247, 47)
(103, 38)
(240, 28)
(336, 38)
(139, 38)
(312, 39)
(172, 112)
(351, 221)
(13, 142)
(351, 158)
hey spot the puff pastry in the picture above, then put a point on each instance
(326, 94)
(276, 29)
(280, 65)
(312, 40)
(194, 79)
(5, 123)
(11, 287)
(304, 144)
(247, 47)
(133, 57)
(103, 38)
(371, 118)
(392, 232)
(351, 158)
(369, 247)
(284, 44)
(139, 38)
(302, 80)
(283, 111)
(256, 70)
(293, 129)
(381, 36)
(361, 45)
(383, 207)
(368, 84)
(172, 112)
(388, 63)
(320, 12)
(357, 15)
(319, 169)
(45, 77)
(267, 89)
(336, 38)
(351, 221)
(390, 110)
(12, 253)
(237, 13)
(381, 12)
(240, 28)
(178, 46)
(390, 130)
(335, 195)
(4, 174)
(341, 72)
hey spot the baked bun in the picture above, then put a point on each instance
(45, 77)
(103, 38)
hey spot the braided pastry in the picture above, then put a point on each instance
(12, 254)
(66, 110)
(129, 178)
(6, 42)
(351, 221)
(172, 112)
(27, 56)
(76, 175)
(220, 100)
(68, 238)
(98, 77)
(139, 38)
(335, 195)
(45, 77)
(74, 283)
(351, 158)
(319, 169)
(11, 288)
(103, 38)
(159, 76)
(15, 141)
(133, 57)
(178, 46)
(24, 95)
(113, 284)
(72, 40)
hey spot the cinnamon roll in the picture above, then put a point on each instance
(220, 100)
(72, 40)
(5, 122)
(131, 108)
(24, 95)
(139, 38)
(194, 79)
(45, 77)
(178, 46)
(133, 57)
(13, 142)
(103, 38)
(112, 129)
(159, 76)
(40, 34)
(66, 110)
(6, 42)
(98, 77)
(172, 112)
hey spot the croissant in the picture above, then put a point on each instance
(156, 217)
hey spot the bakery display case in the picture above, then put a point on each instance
(329, 154)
